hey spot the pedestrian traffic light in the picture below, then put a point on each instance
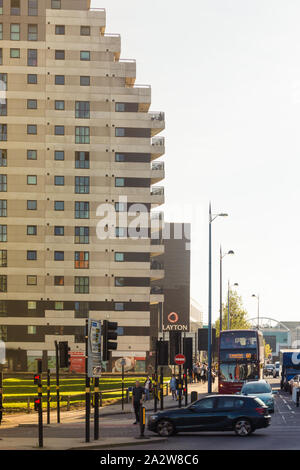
(37, 404)
(64, 358)
(109, 332)
(36, 379)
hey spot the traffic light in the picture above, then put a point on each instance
(36, 379)
(64, 358)
(109, 332)
(162, 348)
(37, 404)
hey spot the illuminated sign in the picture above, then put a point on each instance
(240, 356)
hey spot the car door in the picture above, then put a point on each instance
(226, 408)
(201, 416)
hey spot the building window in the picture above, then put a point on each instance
(59, 155)
(81, 285)
(82, 159)
(32, 129)
(3, 208)
(59, 105)
(32, 32)
(3, 132)
(120, 132)
(59, 255)
(56, 4)
(32, 57)
(31, 154)
(31, 104)
(3, 233)
(3, 157)
(59, 79)
(59, 54)
(85, 31)
(15, 53)
(59, 280)
(3, 258)
(1, 56)
(32, 7)
(81, 259)
(119, 306)
(15, 7)
(31, 330)
(119, 182)
(32, 78)
(82, 109)
(3, 107)
(32, 205)
(119, 157)
(15, 32)
(58, 305)
(1, 30)
(31, 179)
(3, 183)
(85, 81)
(119, 257)
(119, 281)
(1, 7)
(81, 309)
(82, 210)
(120, 107)
(31, 280)
(31, 305)
(82, 184)
(82, 135)
(3, 308)
(121, 232)
(60, 29)
(31, 229)
(82, 234)
(85, 55)
(59, 130)
(59, 205)
(3, 80)
(59, 230)
(31, 255)
(59, 180)
(3, 283)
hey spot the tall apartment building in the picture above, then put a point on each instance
(75, 133)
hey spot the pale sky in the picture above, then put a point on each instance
(227, 75)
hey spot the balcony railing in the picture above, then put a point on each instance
(157, 191)
(132, 61)
(111, 35)
(97, 9)
(157, 116)
(159, 166)
(156, 265)
(158, 141)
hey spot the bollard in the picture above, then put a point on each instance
(28, 405)
(68, 403)
(142, 423)
(194, 396)
(100, 399)
(127, 396)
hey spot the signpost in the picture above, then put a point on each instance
(93, 370)
(180, 360)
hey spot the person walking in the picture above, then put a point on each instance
(148, 388)
(138, 394)
(173, 387)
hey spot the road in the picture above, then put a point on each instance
(282, 434)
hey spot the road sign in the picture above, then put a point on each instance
(180, 359)
(94, 348)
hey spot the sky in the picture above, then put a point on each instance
(227, 75)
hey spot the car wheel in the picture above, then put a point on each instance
(243, 427)
(165, 428)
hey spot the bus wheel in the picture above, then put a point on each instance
(243, 427)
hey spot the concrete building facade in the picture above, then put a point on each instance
(75, 133)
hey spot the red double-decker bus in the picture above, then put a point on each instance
(241, 358)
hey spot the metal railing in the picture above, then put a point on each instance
(157, 191)
(158, 166)
(157, 115)
(156, 265)
(158, 141)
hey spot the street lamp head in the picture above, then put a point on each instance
(223, 215)
(253, 295)
(235, 284)
(230, 252)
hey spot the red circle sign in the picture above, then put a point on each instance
(180, 359)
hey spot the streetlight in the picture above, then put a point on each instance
(212, 217)
(228, 304)
(230, 252)
(257, 297)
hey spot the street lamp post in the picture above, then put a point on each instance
(257, 297)
(230, 252)
(228, 304)
(212, 217)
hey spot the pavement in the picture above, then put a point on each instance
(20, 430)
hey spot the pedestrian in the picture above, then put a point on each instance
(173, 387)
(138, 394)
(148, 388)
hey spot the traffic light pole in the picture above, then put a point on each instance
(161, 388)
(180, 388)
(87, 388)
(122, 386)
(57, 383)
(48, 396)
(96, 411)
(1, 392)
(40, 408)
(155, 378)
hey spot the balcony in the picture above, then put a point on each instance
(157, 191)
(157, 119)
(156, 294)
(157, 220)
(157, 172)
(129, 70)
(157, 147)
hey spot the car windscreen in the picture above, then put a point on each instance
(256, 388)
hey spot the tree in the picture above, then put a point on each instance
(238, 314)
(268, 349)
